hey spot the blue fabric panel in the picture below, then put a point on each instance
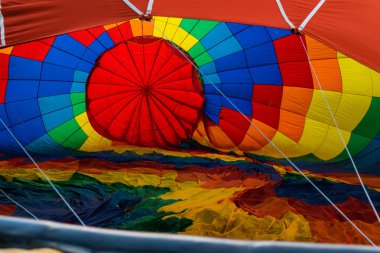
(69, 44)
(227, 47)
(85, 66)
(50, 104)
(213, 78)
(208, 68)
(269, 74)
(241, 91)
(210, 89)
(276, 33)
(106, 40)
(243, 105)
(90, 56)
(61, 58)
(53, 72)
(78, 87)
(21, 111)
(253, 36)
(45, 143)
(21, 90)
(21, 68)
(213, 106)
(53, 88)
(236, 76)
(3, 117)
(8, 144)
(29, 131)
(96, 47)
(80, 76)
(233, 61)
(56, 118)
(220, 33)
(263, 54)
(235, 28)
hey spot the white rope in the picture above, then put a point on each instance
(270, 142)
(283, 13)
(42, 172)
(138, 11)
(18, 204)
(2, 29)
(133, 7)
(149, 8)
(340, 133)
(311, 14)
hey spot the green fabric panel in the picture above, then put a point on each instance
(79, 108)
(76, 140)
(202, 28)
(77, 98)
(188, 24)
(362, 135)
(203, 59)
(196, 50)
(64, 131)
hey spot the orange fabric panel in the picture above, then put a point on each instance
(351, 27)
(291, 100)
(291, 124)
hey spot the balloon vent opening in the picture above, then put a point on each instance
(144, 92)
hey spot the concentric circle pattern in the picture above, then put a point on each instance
(144, 92)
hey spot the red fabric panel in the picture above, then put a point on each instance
(233, 124)
(351, 27)
(28, 50)
(148, 96)
(270, 95)
(4, 60)
(27, 20)
(269, 115)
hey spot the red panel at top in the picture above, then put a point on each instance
(293, 62)
(270, 95)
(143, 93)
(4, 61)
(28, 50)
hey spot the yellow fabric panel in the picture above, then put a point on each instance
(351, 111)
(189, 42)
(318, 109)
(87, 128)
(289, 147)
(356, 78)
(179, 36)
(376, 83)
(333, 145)
(159, 26)
(175, 21)
(136, 27)
(170, 31)
(6, 50)
(82, 119)
(214, 214)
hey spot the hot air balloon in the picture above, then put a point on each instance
(207, 121)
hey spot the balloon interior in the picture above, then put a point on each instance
(185, 126)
